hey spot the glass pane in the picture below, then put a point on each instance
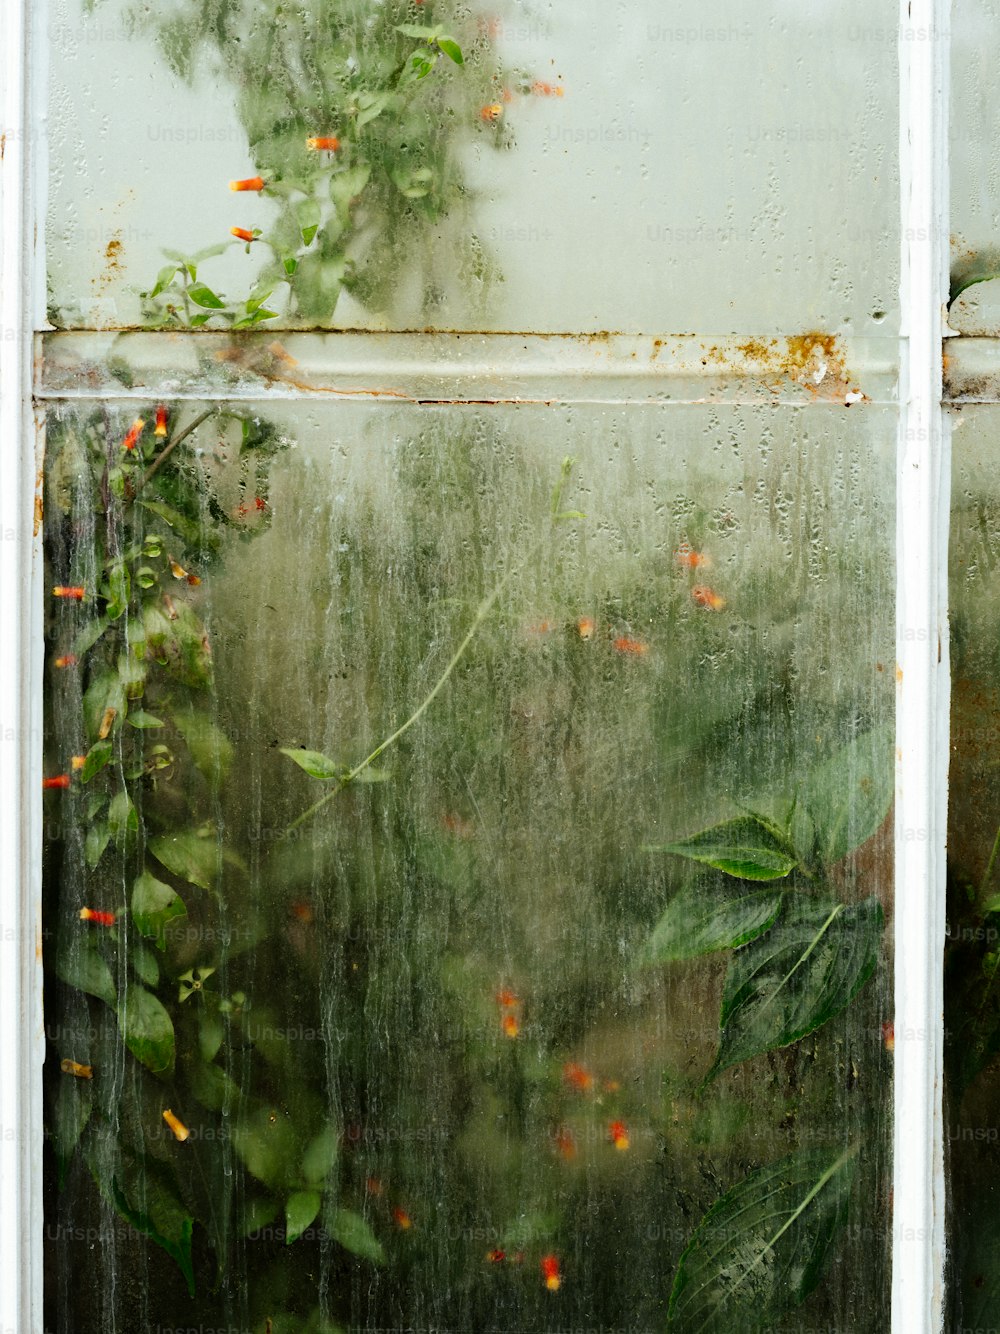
(972, 1016)
(502, 194)
(388, 947)
(975, 191)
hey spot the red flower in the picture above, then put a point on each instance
(134, 432)
(251, 183)
(161, 420)
(550, 1272)
(60, 780)
(97, 917)
(323, 143)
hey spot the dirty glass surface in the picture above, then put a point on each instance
(468, 759)
(972, 1022)
(502, 194)
(975, 189)
(450, 1018)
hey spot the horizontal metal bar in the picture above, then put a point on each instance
(468, 367)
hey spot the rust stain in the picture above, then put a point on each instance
(3, 146)
(39, 506)
(899, 675)
(112, 263)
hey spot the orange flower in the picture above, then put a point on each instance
(74, 593)
(303, 911)
(77, 762)
(692, 560)
(510, 1025)
(578, 1077)
(180, 1130)
(69, 1067)
(618, 1134)
(496, 1257)
(493, 112)
(161, 420)
(507, 999)
(889, 1035)
(242, 234)
(585, 627)
(67, 660)
(60, 780)
(550, 1272)
(708, 598)
(107, 722)
(97, 917)
(251, 183)
(323, 143)
(134, 432)
(402, 1219)
(630, 648)
(565, 1143)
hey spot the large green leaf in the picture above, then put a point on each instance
(147, 1029)
(190, 855)
(354, 1234)
(300, 1210)
(320, 1155)
(164, 1220)
(73, 1104)
(701, 919)
(847, 796)
(761, 1249)
(268, 1144)
(210, 748)
(154, 907)
(314, 763)
(85, 969)
(790, 981)
(748, 847)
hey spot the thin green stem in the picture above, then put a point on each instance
(165, 453)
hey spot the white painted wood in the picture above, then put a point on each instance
(922, 679)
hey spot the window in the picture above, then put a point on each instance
(485, 550)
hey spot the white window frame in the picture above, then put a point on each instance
(923, 494)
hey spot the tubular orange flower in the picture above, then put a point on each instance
(67, 660)
(180, 1130)
(630, 648)
(161, 420)
(708, 598)
(107, 722)
(585, 627)
(549, 1265)
(73, 593)
(250, 183)
(507, 999)
(60, 780)
(69, 1067)
(578, 1077)
(242, 234)
(618, 1134)
(496, 1257)
(510, 1025)
(492, 112)
(134, 432)
(98, 917)
(689, 559)
(402, 1219)
(889, 1035)
(323, 143)
(77, 762)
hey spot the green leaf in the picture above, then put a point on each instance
(320, 1156)
(191, 856)
(97, 757)
(184, 527)
(315, 764)
(267, 1143)
(154, 906)
(139, 718)
(82, 967)
(848, 796)
(163, 279)
(300, 1211)
(257, 1215)
(346, 185)
(699, 920)
(211, 1031)
(761, 1249)
(74, 1102)
(204, 296)
(212, 1086)
(790, 981)
(419, 30)
(371, 105)
(354, 1234)
(166, 1222)
(451, 49)
(144, 962)
(748, 848)
(210, 748)
(98, 838)
(147, 1029)
(89, 635)
(104, 692)
(119, 588)
(179, 643)
(123, 818)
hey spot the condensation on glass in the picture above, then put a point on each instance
(469, 759)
